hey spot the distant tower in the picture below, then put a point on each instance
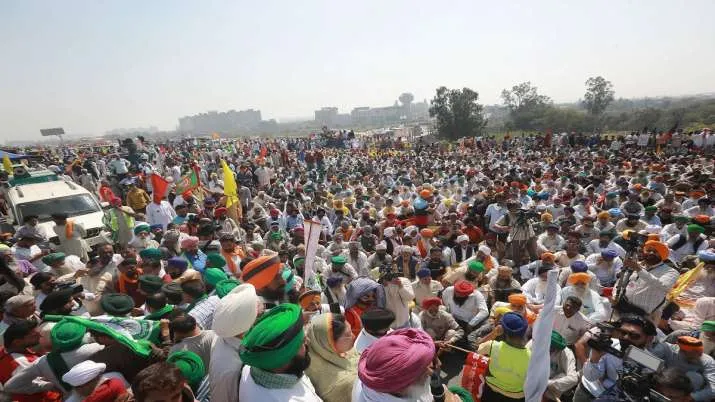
(406, 100)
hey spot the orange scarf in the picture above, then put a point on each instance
(229, 260)
(69, 229)
(421, 248)
(124, 280)
(488, 264)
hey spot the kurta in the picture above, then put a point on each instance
(74, 245)
(302, 391)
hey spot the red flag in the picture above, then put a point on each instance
(159, 186)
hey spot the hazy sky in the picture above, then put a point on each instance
(95, 65)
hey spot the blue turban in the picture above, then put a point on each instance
(579, 266)
(178, 262)
(609, 254)
(514, 324)
(706, 256)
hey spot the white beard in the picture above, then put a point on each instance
(419, 392)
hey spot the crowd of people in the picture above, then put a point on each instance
(211, 286)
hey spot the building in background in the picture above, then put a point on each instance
(231, 121)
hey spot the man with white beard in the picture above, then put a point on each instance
(398, 296)
(694, 293)
(357, 259)
(334, 291)
(397, 367)
(143, 238)
(535, 288)
(591, 303)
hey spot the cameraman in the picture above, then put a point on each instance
(600, 372)
(649, 282)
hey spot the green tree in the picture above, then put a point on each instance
(599, 94)
(458, 113)
(525, 105)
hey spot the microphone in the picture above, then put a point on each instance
(436, 387)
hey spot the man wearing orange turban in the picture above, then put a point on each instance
(651, 280)
(264, 273)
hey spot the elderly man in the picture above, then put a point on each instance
(678, 227)
(71, 236)
(379, 258)
(438, 323)
(362, 294)
(550, 241)
(357, 259)
(425, 287)
(650, 282)
(606, 266)
(502, 284)
(410, 352)
(592, 305)
(463, 250)
(535, 288)
(467, 306)
(406, 262)
(275, 354)
(398, 296)
(694, 293)
(265, 273)
(17, 309)
(688, 356)
(604, 241)
(472, 271)
(576, 267)
(143, 238)
(681, 246)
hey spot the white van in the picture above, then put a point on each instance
(46, 199)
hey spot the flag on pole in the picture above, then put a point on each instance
(311, 233)
(6, 164)
(230, 190)
(537, 379)
(159, 187)
(188, 182)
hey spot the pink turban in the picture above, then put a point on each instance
(190, 241)
(409, 351)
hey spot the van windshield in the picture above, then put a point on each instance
(74, 205)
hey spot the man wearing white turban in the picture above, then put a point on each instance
(234, 316)
(86, 376)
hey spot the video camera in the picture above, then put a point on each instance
(636, 380)
(634, 243)
(603, 342)
(524, 215)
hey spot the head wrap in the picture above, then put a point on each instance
(463, 288)
(156, 226)
(706, 256)
(409, 351)
(178, 262)
(283, 326)
(83, 372)
(339, 260)
(17, 301)
(514, 324)
(548, 257)
(190, 241)
(681, 218)
(695, 228)
(215, 260)
(609, 254)
(475, 266)
(579, 266)
(614, 212)
(381, 246)
(361, 286)
(423, 273)
(212, 276)
(261, 271)
(658, 247)
(150, 254)
(56, 299)
(171, 235)
(702, 219)
(690, 344)
(236, 312)
(220, 211)
(485, 250)
(142, 228)
(53, 258)
(431, 301)
(579, 277)
(190, 365)
(462, 238)
(66, 336)
(107, 391)
(117, 303)
(225, 286)
(517, 299)
(651, 208)
(306, 298)
(150, 283)
(546, 217)
(707, 326)
(603, 215)
(377, 319)
(557, 341)
(426, 233)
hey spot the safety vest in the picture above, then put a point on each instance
(507, 367)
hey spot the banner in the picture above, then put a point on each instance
(311, 232)
(230, 190)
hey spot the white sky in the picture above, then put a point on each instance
(91, 66)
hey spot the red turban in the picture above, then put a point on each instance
(463, 288)
(221, 211)
(426, 233)
(658, 247)
(408, 351)
(431, 301)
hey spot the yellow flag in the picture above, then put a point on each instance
(6, 164)
(229, 185)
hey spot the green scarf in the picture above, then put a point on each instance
(59, 368)
(159, 313)
(269, 380)
(141, 348)
(195, 302)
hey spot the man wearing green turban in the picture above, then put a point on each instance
(563, 376)
(276, 357)
(683, 245)
(143, 238)
(192, 368)
(68, 350)
(212, 276)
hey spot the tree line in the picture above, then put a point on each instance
(458, 113)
